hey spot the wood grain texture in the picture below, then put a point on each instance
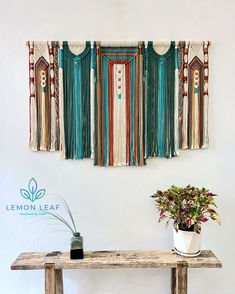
(59, 281)
(50, 286)
(182, 278)
(116, 259)
(174, 281)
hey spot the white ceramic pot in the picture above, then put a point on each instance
(187, 243)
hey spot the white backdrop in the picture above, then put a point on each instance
(112, 205)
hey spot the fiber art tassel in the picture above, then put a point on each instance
(42, 93)
(161, 100)
(43, 145)
(117, 112)
(195, 94)
(119, 116)
(185, 99)
(141, 107)
(53, 125)
(98, 110)
(176, 103)
(53, 102)
(92, 90)
(195, 116)
(61, 102)
(180, 51)
(76, 88)
(33, 143)
(33, 111)
(146, 101)
(205, 139)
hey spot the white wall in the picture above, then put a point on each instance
(112, 204)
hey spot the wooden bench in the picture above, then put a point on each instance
(53, 265)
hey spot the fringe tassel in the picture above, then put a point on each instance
(34, 128)
(43, 145)
(33, 141)
(205, 97)
(119, 129)
(53, 102)
(61, 103)
(176, 104)
(141, 107)
(185, 99)
(195, 122)
(53, 125)
(92, 105)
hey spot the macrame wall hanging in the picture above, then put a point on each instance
(118, 103)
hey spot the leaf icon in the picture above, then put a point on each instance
(40, 193)
(25, 194)
(32, 186)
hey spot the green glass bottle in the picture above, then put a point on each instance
(76, 251)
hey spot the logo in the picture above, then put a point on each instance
(32, 201)
(32, 193)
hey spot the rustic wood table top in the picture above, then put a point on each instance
(116, 259)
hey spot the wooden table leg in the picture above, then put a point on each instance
(182, 277)
(173, 281)
(50, 287)
(59, 281)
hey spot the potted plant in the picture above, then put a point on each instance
(188, 208)
(76, 250)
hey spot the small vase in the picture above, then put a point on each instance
(76, 251)
(187, 243)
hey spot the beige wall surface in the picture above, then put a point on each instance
(112, 205)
